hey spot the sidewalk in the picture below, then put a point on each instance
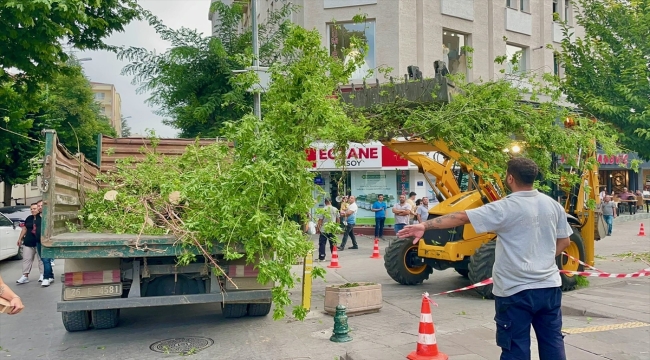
(464, 322)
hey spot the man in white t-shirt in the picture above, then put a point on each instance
(532, 229)
(402, 213)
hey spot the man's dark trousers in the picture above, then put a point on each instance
(379, 227)
(322, 239)
(349, 231)
(514, 315)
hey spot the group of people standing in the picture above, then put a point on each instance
(30, 240)
(409, 211)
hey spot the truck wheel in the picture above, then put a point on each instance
(400, 263)
(105, 319)
(463, 272)
(480, 267)
(76, 320)
(576, 249)
(232, 311)
(259, 309)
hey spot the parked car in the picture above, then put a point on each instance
(16, 213)
(9, 235)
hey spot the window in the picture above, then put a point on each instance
(516, 54)
(100, 96)
(339, 37)
(567, 11)
(524, 5)
(511, 4)
(35, 184)
(557, 66)
(556, 8)
(453, 52)
(4, 221)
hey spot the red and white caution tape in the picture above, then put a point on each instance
(641, 273)
(583, 263)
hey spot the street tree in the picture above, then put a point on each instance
(76, 116)
(607, 73)
(191, 83)
(126, 129)
(34, 34)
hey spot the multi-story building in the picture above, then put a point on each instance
(110, 102)
(23, 194)
(400, 33)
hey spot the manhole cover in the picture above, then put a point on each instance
(182, 345)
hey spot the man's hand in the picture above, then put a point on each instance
(17, 304)
(416, 231)
(18, 243)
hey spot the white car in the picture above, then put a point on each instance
(9, 235)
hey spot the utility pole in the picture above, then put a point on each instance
(257, 105)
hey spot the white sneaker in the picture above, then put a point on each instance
(46, 282)
(40, 279)
(23, 280)
(52, 262)
(51, 281)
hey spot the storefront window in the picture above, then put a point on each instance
(340, 35)
(453, 52)
(367, 186)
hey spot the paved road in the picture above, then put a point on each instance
(464, 326)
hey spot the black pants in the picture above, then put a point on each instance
(379, 227)
(349, 230)
(514, 315)
(322, 239)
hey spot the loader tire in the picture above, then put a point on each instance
(397, 260)
(463, 272)
(259, 309)
(576, 249)
(480, 268)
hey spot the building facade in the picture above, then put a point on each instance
(110, 102)
(400, 33)
(23, 194)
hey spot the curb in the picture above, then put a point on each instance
(635, 217)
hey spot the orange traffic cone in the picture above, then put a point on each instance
(427, 348)
(375, 250)
(641, 230)
(334, 263)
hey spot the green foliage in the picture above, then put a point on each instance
(33, 33)
(191, 83)
(607, 71)
(484, 119)
(76, 117)
(126, 129)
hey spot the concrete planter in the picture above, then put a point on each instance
(358, 298)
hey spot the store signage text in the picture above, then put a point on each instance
(612, 159)
(355, 156)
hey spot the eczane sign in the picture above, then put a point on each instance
(358, 156)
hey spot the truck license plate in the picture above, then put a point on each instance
(92, 291)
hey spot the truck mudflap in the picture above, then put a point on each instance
(240, 296)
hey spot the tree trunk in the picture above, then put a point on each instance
(7, 193)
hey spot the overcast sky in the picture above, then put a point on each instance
(104, 66)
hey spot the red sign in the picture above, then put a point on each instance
(612, 159)
(358, 156)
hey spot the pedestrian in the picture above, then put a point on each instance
(609, 213)
(344, 208)
(48, 273)
(14, 300)
(531, 229)
(423, 210)
(29, 240)
(411, 201)
(331, 216)
(402, 213)
(379, 208)
(351, 214)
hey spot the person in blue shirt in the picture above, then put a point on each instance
(379, 208)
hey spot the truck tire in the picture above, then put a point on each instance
(397, 259)
(463, 272)
(576, 249)
(480, 267)
(233, 311)
(105, 319)
(76, 320)
(259, 309)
